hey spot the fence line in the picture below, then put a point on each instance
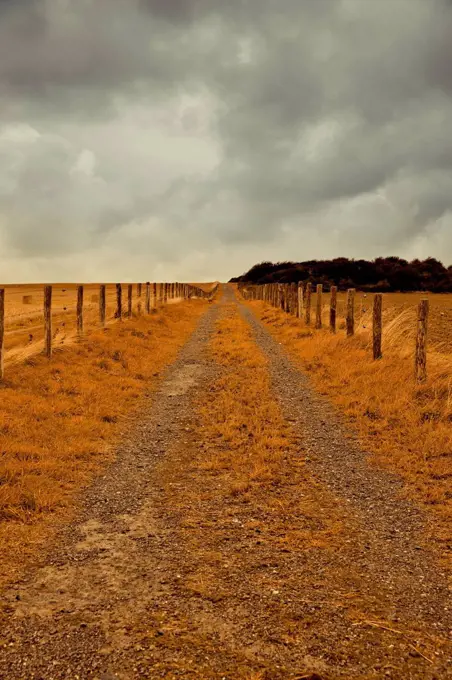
(281, 296)
(167, 292)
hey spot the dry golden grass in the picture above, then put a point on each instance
(394, 304)
(240, 466)
(245, 435)
(60, 419)
(252, 520)
(406, 426)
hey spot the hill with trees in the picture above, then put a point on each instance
(384, 274)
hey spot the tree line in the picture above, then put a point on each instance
(382, 275)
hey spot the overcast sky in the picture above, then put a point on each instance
(189, 139)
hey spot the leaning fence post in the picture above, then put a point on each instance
(79, 310)
(377, 326)
(118, 301)
(420, 367)
(350, 320)
(102, 305)
(2, 333)
(48, 321)
(129, 300)
(318, 314)
(307, 310)
(333, 308)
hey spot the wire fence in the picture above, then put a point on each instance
(39, 318)
(297, 300)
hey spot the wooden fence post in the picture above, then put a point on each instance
(102, 305)
(79, 310)
(420, 368)
(318, 314)
(333, 309)
(139, 292)
(2, 333)
(118, 301)
(154, 295)
(350, 320)
(294, 299)
(148, 298)
(129, 300)
(307, 310)
(300, 300)
(377, 326)
(48, 321)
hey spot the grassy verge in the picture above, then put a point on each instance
(59, 421)
(406, 427)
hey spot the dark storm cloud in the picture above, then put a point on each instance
(309, 104)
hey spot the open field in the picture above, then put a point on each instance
(440, 317)
(177, 499)
(24, 328)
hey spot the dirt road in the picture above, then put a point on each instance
(179, 567)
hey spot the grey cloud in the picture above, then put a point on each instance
(311, 104)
